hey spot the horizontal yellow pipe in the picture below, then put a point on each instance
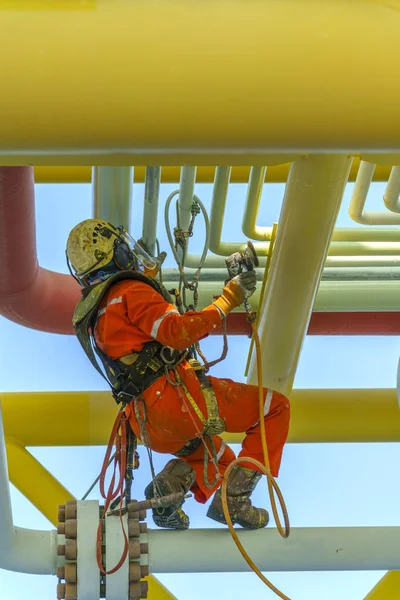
(275, 174)
(85, 418)
(253, 83)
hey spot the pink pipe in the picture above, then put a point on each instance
(29, 295)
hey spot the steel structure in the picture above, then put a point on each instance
(323, 280)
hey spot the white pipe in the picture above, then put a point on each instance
(307, 549)
(335, 296)
(218, 276)
(112, 194)
(23, 550)
(391, 196)
(357, 204)
(150, 212)
(302, 242)
(214, 261)
(186, 193)
(361, 273)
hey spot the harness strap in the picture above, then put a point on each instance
(179, 383)
(213, 424)
(206, 462)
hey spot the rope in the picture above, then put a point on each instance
(97, 479)
(212, 363)
(181, 240)
(119, 438)
(273, 487)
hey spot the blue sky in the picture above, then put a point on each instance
(323, 484)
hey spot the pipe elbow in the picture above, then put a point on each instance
(29, 295)
(47, 304)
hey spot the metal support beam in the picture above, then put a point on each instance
(35, 482)
(112, 194)
(302, 242)
(85, 418)
(387, 588)
(307, 549)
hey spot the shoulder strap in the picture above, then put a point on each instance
(85, 315)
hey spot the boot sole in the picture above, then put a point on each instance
(169, 517)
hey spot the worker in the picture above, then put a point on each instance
(142, 341)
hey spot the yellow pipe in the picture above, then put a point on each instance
(253, 198)
(276, 174)
(350, 242)
(71, 102)
(387, 588)
(299, 255)
(35, 482)
(391, 196)
(346, 241)
(85, 418)
(253, 231)
(357, 210)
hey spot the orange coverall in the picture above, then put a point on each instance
(133, 313)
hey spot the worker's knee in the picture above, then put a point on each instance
(280, 405)
(281, 400)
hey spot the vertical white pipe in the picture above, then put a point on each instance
(150, 213)
(311, 203)
(22, 550)
(6, 517)
(112, 194)
(186, 191)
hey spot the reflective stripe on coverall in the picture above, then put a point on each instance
(132, 314)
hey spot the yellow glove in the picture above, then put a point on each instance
(234, 292)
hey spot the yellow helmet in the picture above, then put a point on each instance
(97, 249)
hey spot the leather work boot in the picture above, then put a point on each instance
(241, 484)
(176, 476)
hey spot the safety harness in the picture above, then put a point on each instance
(130, 375)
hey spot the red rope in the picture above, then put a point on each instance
(119, 438)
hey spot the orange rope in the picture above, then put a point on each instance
(119, 437)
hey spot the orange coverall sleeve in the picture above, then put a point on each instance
(148, 311)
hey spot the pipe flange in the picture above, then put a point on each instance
(67, 575)
(138, 554)
(67, 587)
